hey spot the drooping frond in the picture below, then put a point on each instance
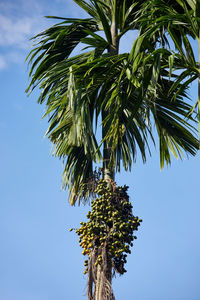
(54, 46)
(71, 124)
(178, 20)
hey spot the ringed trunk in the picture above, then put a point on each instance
(108, 175)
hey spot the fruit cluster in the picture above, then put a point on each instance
(110, 224)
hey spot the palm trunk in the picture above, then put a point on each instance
(108, 175)
(108, 171)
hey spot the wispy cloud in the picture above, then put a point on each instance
(15, 33)
(19, 21)
(10, 58)
(3, 63)
(22, 19)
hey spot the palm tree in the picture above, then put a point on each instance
(124, 93)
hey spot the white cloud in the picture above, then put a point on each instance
(3, 63)
(19, 21)
(14, 33)
(10, 58)
(22, 19)
(17, 32)
(16, 57)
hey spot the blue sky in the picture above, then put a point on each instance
(40, 258)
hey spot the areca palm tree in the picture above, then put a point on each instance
(123, 93)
